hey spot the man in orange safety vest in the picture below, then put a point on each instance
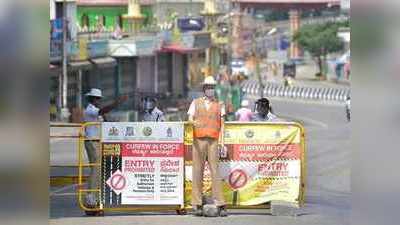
(206, 114)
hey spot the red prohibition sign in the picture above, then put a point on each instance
(118, 182)
(237, 179)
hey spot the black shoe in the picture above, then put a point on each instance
(222, 211)
(197, 210)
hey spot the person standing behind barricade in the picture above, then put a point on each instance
(206, 114)
(244, 114)
(151, 112)
(95, 113)
(263, 112)
(235, 94)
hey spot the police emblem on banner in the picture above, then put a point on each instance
(227, 134)
(169, 132)
(113, 131)
(277, 134)
(249, 133)
(147, 131)
(129, 132)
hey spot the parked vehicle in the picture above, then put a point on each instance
(238, 67)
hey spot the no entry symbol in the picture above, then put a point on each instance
(237, 179)
(117, 182)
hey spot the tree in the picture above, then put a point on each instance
(319, 40)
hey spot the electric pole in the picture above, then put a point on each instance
(64, 108)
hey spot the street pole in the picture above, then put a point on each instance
(258, 69)
(79, 96)
(64, 110)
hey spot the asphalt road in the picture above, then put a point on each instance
(327, 189)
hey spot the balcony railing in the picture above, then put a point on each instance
(101, 44)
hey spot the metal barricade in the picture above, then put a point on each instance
(236, 165)
(236, 134)
(110, 163)
(60, 134)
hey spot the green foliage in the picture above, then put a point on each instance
(319, 39)
(345, 23)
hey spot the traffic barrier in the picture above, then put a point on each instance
(280, 91)
(342, 95)
(265, 92)
(324, 93)
(61, 132)
(291, 92)
(330, 94)
(336, 95)
(314, 94)
(303, 92)
(257, 88)
(148, 155)
(253, 162)
(286, 91)
(294, 92)
(273, 91)
(310, 93)
(147, 166)
(307, 92)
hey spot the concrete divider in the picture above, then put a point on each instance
(297, 92)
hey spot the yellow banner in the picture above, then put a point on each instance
(249, 178)
(254, 133)
(261, 134)
(255, 192)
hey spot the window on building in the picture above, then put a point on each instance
(59, 10)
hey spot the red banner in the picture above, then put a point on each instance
(152, 150)
(265, 152)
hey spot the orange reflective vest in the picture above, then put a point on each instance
(207, 122)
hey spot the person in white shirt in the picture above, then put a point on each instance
(95, 113)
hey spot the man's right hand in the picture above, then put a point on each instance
(122, 98)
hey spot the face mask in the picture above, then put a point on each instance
(149, 105)
(209, 92)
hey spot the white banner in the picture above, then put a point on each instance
(153, 181)
(152, 168)
(143, 132)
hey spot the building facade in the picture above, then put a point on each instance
(163, 63)
(108, 14)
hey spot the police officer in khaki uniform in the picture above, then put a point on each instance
(207, 113)
(94, 112)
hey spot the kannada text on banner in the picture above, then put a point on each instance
(262, 163)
